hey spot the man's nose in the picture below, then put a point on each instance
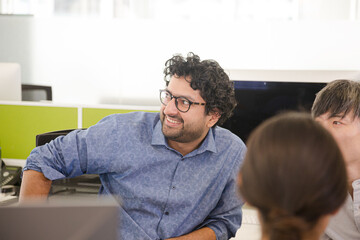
(170, 108)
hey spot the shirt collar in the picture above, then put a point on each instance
(208, 144)
(158, 137)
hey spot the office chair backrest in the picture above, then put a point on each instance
(43, 138)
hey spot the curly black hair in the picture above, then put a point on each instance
(207, 76)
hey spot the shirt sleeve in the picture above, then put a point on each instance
(226, 218)
(77, 153)
(356, 198)
(57, 159)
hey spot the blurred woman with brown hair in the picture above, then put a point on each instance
(294, 174)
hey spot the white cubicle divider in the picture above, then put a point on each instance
(10, 81)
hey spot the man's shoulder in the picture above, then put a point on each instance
(229, 143)
(225, 135)
(343, 225)
(128, 124)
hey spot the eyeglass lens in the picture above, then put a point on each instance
(181, 103)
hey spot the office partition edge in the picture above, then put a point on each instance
(40, 117)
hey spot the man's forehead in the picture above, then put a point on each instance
(188, 91)
(185, 77)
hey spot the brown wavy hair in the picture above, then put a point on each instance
(207, 76)
(293, 173)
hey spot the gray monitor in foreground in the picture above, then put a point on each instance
(90, 220)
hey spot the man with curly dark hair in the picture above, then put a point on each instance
(175, 171)
(209, 78)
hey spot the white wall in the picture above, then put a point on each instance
(16, 44)
(121, 62)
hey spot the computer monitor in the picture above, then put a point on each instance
(10, 82)
(32, 92)
(260, 100)
(81, 219)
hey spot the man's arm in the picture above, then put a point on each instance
(34, 185)
(205, 233)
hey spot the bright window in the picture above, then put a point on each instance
(190, 10)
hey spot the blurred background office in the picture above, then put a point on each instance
(113, 51)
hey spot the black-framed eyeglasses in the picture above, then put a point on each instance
(182, 103)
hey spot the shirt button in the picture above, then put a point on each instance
(173, 187)
(166, 213)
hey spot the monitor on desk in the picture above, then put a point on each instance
(81, 219)
(32, 92)
(260, 100)
(10, 82)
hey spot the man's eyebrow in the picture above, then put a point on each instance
(187, 97)
(339, 115)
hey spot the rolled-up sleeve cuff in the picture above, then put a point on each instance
(48, 172)
(220, 230)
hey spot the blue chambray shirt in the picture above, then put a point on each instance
(163, 194)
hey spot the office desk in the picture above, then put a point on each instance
(250, 228)
(7, 200)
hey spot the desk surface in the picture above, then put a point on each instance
(7, 200)
(250, 228)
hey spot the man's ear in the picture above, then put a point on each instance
(214, 117)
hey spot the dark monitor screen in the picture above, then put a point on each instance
(259, 100)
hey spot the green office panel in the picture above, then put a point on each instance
(93, 115)
(19, 126)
